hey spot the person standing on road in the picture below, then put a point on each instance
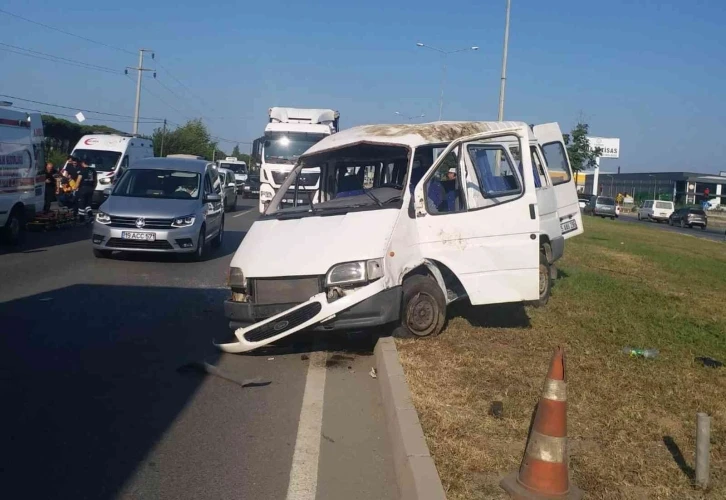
(87, 183)
(50, 186)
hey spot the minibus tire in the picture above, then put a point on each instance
(200, 251)
(544, 273)
(423, 296)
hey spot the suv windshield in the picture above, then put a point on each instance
(287, 148)
(103, 161)
(162, 184)
(605, 201)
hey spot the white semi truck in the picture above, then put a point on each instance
(288, 134)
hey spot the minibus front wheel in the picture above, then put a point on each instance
(423, 308)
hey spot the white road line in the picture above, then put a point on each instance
(242, 213)
(303, 483)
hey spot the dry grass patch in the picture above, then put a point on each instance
(631, 421)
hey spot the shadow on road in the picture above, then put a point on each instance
(36, 241)
(90, 382)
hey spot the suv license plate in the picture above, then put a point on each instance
(568, 226)
(129, 235)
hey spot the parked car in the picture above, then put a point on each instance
(229, 189)
(251, 187)
(583, 201)
(168, 205)
(656, 210)
(689, 217)
(601, 206)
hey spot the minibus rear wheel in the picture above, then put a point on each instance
(545, 281)
(423, 308)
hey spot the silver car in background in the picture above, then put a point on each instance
(168, 205)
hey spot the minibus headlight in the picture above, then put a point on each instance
(350, 273)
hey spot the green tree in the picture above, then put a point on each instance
(235, 151)
(578, 148)
(192, 138)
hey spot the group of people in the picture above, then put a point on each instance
(72, 187)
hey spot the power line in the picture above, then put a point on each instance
(55, 113)
(62, 60)
(204, 104)
(73, 108)
(159, 98)
(179, 97)
(66, 32)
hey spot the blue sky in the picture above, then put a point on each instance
(650, 72)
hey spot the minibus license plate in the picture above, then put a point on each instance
(130, 235)
(568, 226)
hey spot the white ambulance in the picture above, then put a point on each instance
(21, 170)
(111, 155)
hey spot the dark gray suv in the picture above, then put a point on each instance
(689, 217)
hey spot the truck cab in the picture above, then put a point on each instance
(289, 133)
(404, 220)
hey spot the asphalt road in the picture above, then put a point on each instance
(713, 234)
(103, 395)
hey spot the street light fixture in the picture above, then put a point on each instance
(409, 118)
(444, 53)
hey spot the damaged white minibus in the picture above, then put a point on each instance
(405, 219)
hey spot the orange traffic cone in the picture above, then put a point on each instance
(543, 473)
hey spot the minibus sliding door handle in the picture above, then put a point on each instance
(531, 211)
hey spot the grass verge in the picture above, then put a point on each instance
(631, 421)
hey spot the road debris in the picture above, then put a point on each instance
(709, 362)
(304, 357)
(640, 353)
(373, 373)
(496, 409)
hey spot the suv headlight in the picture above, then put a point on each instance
(103, 218)
(350, 273)
(184, 221)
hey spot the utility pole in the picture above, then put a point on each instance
(503, 81)
(163, 133)
(139, 69)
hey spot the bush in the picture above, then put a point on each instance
(57, 158)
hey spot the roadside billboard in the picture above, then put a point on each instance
(610, 146)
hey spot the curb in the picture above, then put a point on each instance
(416, 473)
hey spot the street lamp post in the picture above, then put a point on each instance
(444, 53)
(409, 118)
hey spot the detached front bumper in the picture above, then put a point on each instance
(371, 305)
(382, 308)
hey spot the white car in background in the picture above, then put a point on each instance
(656, 210)
(229, 189)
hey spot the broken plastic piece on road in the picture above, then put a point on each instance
(709, 362)
(640, 353)
(270, 359)
(373, 373)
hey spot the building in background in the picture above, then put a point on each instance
(683, 188)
